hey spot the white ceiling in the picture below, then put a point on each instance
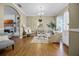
(50, 9)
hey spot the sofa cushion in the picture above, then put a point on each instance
(4, 37)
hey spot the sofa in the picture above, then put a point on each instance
(55, 38)
(5, 42)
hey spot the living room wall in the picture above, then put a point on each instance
(32, 21)
(74, 29)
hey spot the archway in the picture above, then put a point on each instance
(11, 20)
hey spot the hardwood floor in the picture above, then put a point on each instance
(24, 47)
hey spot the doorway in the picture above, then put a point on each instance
(11, 20)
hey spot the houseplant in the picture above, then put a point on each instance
(52, 26)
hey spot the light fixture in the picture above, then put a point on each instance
(41, 14)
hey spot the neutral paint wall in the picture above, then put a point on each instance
(33, 21)
(1, 18)
(74, 23)
(9, 11)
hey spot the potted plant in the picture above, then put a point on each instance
(52, 26)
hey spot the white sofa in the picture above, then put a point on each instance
(5, 42)
(55, 38)
(2, 37)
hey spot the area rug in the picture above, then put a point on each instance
(39, 40)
